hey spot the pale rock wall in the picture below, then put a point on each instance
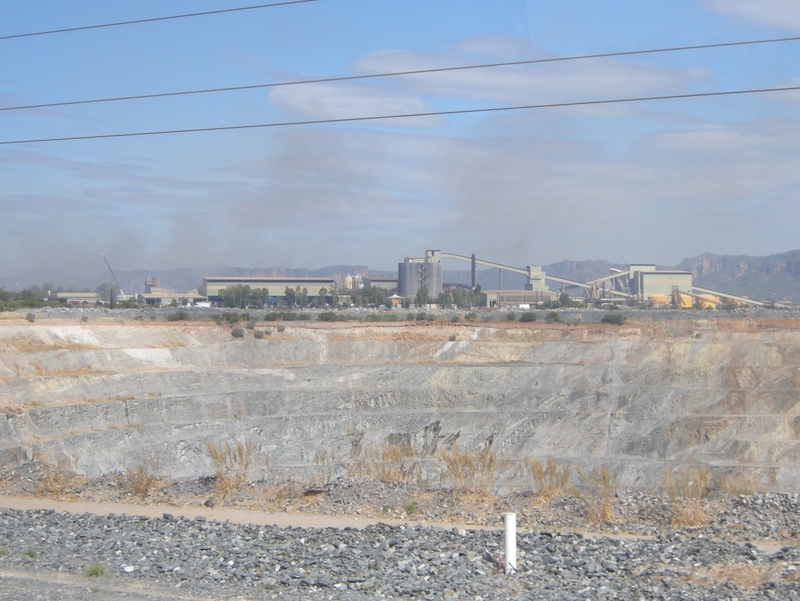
(108, 395)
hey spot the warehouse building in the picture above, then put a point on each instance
(212, 285)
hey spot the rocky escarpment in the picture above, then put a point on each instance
(105, 395)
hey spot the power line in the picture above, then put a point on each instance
(153, 19)
(398, 73)
(405, 116)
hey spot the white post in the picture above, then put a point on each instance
(510, 520)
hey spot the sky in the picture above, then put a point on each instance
(632, 182)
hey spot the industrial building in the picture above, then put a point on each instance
(415, 273)
(640, 282)
(79, 299)
(154, 294)
(212, 286)
(388, 284)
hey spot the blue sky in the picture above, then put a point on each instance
(655, 181)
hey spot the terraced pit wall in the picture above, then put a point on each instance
(106, 395)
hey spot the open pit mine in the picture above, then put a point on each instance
(107, 394)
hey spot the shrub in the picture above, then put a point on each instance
(304, 317)
(178, 316)
(511, 316)
(392, 462)
(528, 316)
(549, 480)
(470, 472)
(230, 317)
(687, 490)
(55, 478)
(258, 334)
(421, 316)
(470, 316)
(327, 316)
(237, 333)
(553, 317)
(411, 316)
(30, 553)
(30, 317)
(250, 325)
(95, 570)
(140, 479)
(84, 319)
(430, 317)
(217, 319)
(599, 487)
(455, 319)
(452, 338)
(616, 319)
(281, 328)
(231, 463)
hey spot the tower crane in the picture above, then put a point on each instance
(121, 293)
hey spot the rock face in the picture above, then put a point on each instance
(107, 395)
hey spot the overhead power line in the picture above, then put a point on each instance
(153, 19)
(398, 73)
(405, 115)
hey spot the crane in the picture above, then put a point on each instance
(121, 293)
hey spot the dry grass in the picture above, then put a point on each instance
(470, 472)
(325, 465)
(735, 484)
(29, 344)
(388, 463)
(744, 575)
(56, 478)
(232, 463)
(549, 480)
(599, 486)
(687, 489)
(141, 478)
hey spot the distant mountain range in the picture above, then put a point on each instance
(770, 277)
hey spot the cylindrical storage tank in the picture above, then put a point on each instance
(407, 278)
(684, 301)
(433, 279)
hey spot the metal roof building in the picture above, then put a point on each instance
(212, 285)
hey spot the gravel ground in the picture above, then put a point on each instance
(170, 557)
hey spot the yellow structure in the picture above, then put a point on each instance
(658, 298)
(708, 301)
(684, 301)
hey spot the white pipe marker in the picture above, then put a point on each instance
(510, 520)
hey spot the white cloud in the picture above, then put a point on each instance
(348, 99)
(513, 85)
(780, 14)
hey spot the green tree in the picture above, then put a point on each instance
(460, 298)
(301, 296)
(616, 319)
(290, 296)
(423, 297)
